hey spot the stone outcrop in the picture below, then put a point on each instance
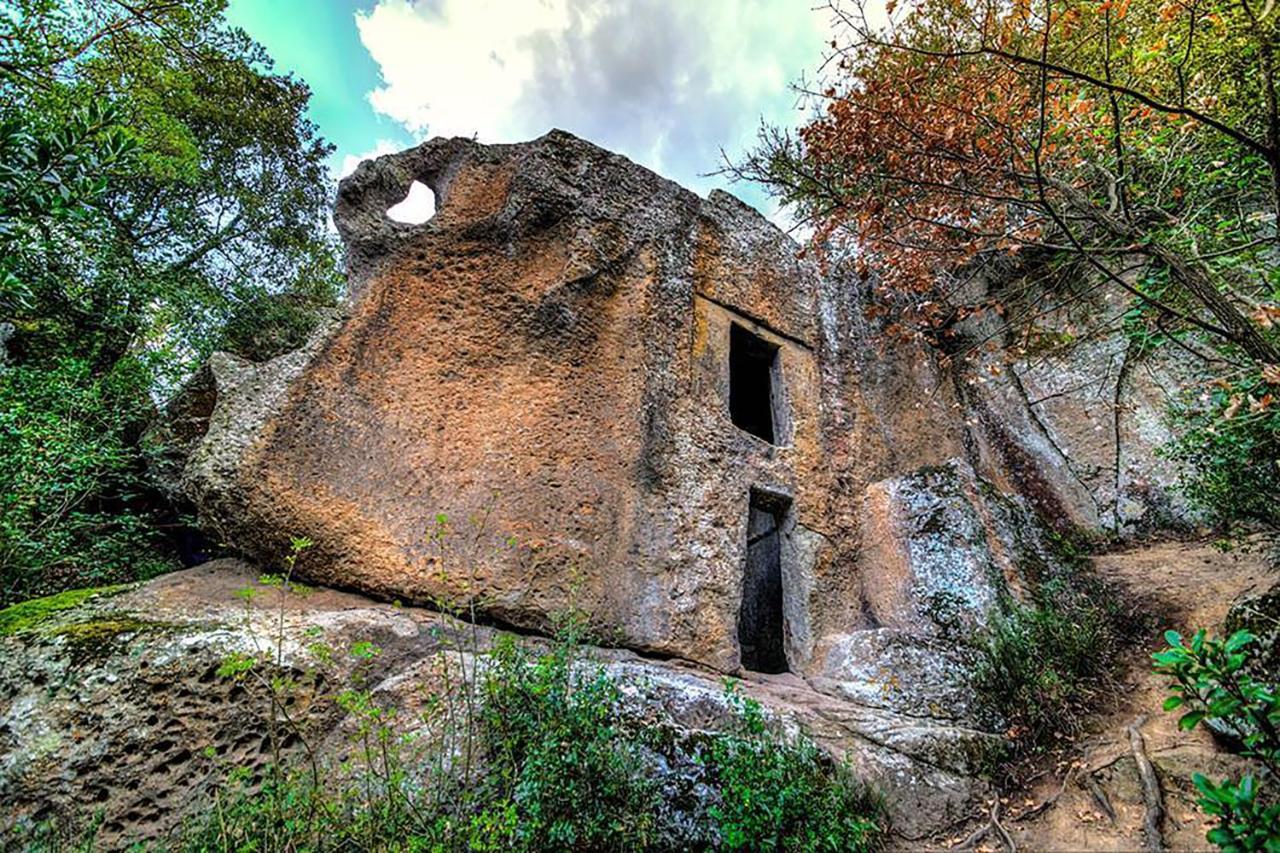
(1075, 418)
(582, 387)
(550, 353)
(553, 357)
(116, 705)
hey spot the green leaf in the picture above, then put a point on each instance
(1190, 719)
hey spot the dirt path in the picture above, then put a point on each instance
(1099, 805)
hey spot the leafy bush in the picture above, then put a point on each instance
(1040, 664)
(73, 502)
(559, 767)
(1229, 447)
(782, 793)
(162, 193)
(558, 758)
(1212, 680)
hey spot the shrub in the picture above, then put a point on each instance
(558, 760)
(560, 768)
(1229, 449)
(1212, 681)
(781, 793)
(1041, 663)
(514, 749)
(74, 508)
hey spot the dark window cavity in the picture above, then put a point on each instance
(760, 621)
(752, 365)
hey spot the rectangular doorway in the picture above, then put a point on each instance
(760, 621)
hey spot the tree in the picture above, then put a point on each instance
(1063, 146)
(1140, 140)
(162, 194)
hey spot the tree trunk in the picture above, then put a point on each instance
(1243, 333)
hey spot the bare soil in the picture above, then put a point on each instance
(1088, 796)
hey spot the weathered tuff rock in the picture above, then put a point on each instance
(582, 387)
(116, 704)
(1075, 423)
(555, 353)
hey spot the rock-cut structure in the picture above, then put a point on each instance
(581, 387)
(643, 390)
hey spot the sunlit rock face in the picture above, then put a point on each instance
(552, 357)
(582, 387)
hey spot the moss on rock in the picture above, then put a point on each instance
(103, 634)
(28, 615)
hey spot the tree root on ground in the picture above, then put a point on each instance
(992, 826)
(1100, 797)
(1153, 841)
(1035, 810)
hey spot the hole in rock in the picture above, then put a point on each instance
(760, 621)
(752, 365)
(416, 208)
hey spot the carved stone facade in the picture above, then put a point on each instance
(680, 427)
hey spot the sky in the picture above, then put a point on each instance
(668, 83)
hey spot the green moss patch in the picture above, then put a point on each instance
(100, 637)
(28, 615)
(99, 630)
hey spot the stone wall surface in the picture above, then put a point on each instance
(547, 358)
(525, 410)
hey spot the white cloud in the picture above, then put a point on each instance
(350, 161)
(666, 82)
(418, 206)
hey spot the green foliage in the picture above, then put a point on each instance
(561, 770)
(1228, 445)
(558, 759)
(28, 615)
(49, 178)
(162, 194)
(1040, 664)
(524, 750)
(1211, 681)
(72, 509)
(210, 189)
(781, 793)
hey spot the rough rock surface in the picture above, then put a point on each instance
(116, 704)
(1072, 414)
(534, 403)
(549, 353)
(549, 358)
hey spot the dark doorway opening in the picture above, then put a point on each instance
(751, 367)
(760, 621)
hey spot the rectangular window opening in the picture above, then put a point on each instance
(761, 624)
(752, 362)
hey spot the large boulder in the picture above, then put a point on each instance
(549, 361)
(642, 392)
(943, 553)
